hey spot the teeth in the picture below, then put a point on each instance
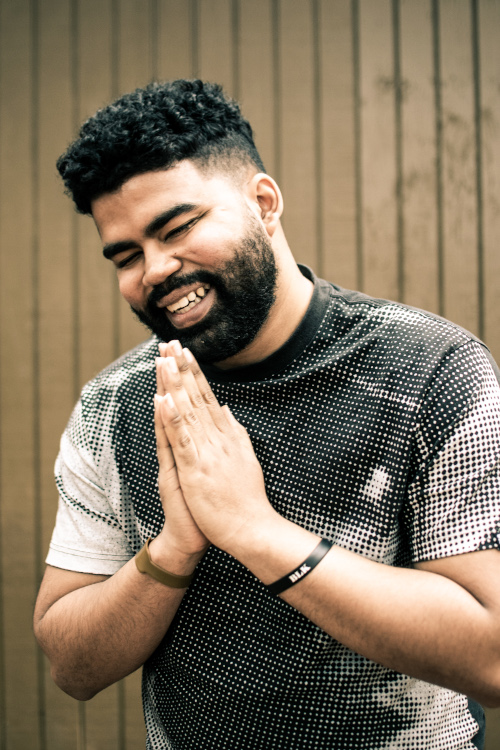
(186, 303)
(188, 307)
(177, 305)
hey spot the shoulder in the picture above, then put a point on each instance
(126, 385)
(130, 371)
(405, 330)
(394, 316)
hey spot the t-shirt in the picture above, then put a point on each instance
(377, 427)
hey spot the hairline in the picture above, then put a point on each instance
(207, 165)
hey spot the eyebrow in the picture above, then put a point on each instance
(113, 248)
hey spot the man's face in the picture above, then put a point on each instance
(192, 258)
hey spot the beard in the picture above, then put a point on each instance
(245, 289)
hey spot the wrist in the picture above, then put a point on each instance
(169, 555)
(254, 534)
(274, 547)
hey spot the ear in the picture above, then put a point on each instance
(267, 200)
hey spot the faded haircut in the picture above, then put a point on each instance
(152, 129)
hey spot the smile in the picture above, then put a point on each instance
(189, 301)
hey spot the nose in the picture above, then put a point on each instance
(159, 263)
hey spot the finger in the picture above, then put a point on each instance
(174, 349)
(163, 450)
(178, 433)
(160, 385)
(168, 480)
(170, 349)
(187, 381)
(175, 386)
(162, 443)
(205, 392)
(233, 423)
(229, 416)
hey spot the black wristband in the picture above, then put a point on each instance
(318, 553)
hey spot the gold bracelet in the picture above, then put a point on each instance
(146, 565)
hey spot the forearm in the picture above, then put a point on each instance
(411, 621)
(98, 634)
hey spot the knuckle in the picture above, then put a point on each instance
(183, 366)
(184, 440)
(191, 418)
(209, 397)
(197, 401)
(177, 420)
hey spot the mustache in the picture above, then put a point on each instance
(176, 282)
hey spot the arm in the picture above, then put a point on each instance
(439, 622)
(97, 629)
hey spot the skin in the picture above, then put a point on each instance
(439, 622)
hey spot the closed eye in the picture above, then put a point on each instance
(182, 228)
(128, 260)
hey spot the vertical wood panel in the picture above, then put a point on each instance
(298, 134)
(19, 545)
(102, 720)
(492, 729)
(421, 263)
(338, 195)
(134, 68)
(132, 715)
(95, 277)
(460, 302)
(217, 45)
(255, 85)
(275, 56)
(489, 67)
(175, 40)
(138, 55)
(378, 150)
(56, 313)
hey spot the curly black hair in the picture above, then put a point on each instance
(153, 128)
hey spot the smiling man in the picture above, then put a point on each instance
(313, 564)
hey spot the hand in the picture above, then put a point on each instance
(179, 531)
(218, 471)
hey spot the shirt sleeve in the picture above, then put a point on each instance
(88, 536)
(454, 495)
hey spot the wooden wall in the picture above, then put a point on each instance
(380, 119)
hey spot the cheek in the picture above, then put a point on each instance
(214, 245)
(132, 289)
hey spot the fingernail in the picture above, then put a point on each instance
(170, 402)
(177, 348)
(188, 355)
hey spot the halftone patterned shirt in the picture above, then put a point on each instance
(377, 426)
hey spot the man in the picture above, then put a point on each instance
(359, 422)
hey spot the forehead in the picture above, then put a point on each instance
(143, 196)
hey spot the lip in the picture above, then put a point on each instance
(175, 296)
(192, 316)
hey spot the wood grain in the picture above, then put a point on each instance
(380, 119)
